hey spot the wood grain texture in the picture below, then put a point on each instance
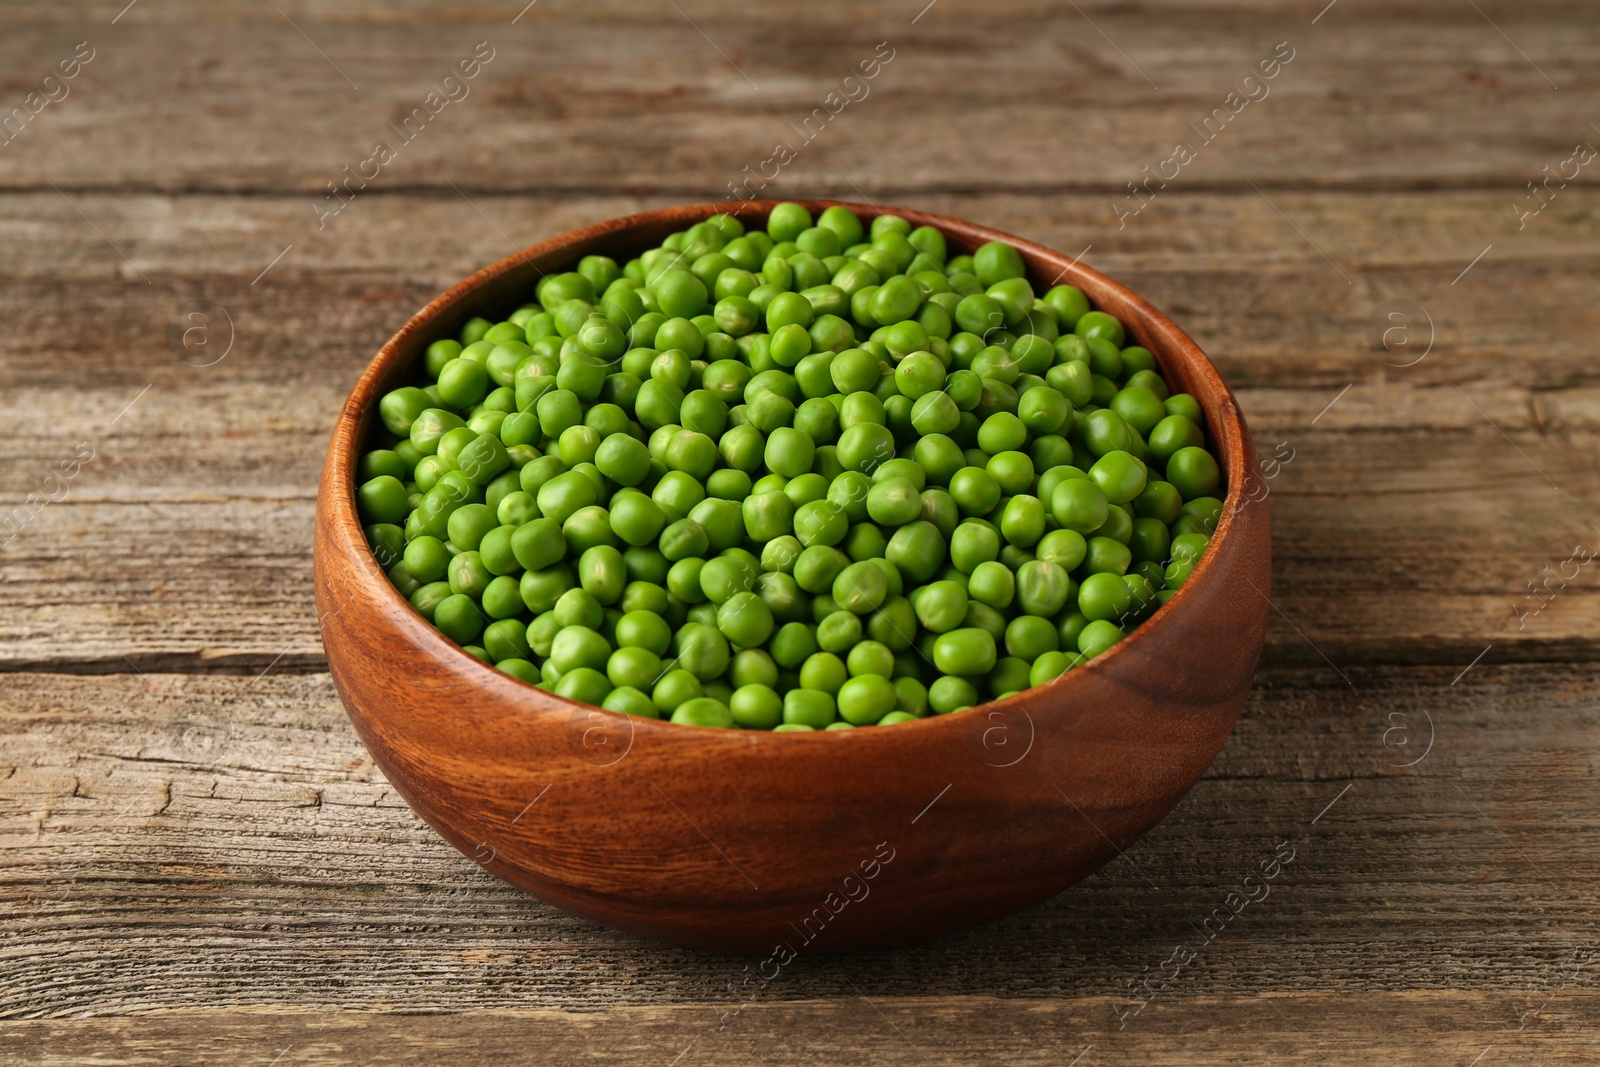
(232, 835)
(860, 1027)
(556, 108)
(276, 901)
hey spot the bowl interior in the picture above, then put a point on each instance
(501, 287)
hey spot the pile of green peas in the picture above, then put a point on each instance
(820, 476)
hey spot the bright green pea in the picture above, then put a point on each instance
(684, 538)
(968, 652)
(458, 618)
(950, 693)
(893, 501)
(974, 490)
(636, 668)
(864, 447)
(382, 500)
(1043, 588)
(917, 549)
(427, 559)
(973, 543)
(1172, 433)
(865, 541)
(1106, 555)
(866, 699)
(1104, 596)
(1080, 505)
(623, 459)
(1119, 475)
(562, 496)
(840, 631)
(704, 711)
(1193, 472)
(1093, 324)
(584, 685)
(1022, 522)
(860, 588)
(993, 584)
(789, 452)
(808, 708)
(756, 707)
(631, 701)
(870, 657)
(919, 374)
(1099, 636)
(675, 688)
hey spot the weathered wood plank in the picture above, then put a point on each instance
(857, 1027)
(558, 106)
(1228, 268)
(173, 842)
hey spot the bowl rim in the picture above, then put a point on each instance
(345, 446)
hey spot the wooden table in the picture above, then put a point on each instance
(201, 864)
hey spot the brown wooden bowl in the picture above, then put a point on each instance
(792, 843)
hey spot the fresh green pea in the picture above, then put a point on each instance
(1193, 472)
(1099, 636)
(866, 699)
(808, 708)
(967, 652)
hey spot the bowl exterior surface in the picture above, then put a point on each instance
(780, 843)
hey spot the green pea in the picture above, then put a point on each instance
(1104, 596)
(870, 657)
(1022, 521)
(1193, 472)
(1172, 433)
(860, 588)
(1043, 588)
(1079, 505)
(865, 699)
(426, 559)
(1106, 555)
(703, 650)
(792, 643)
(917, 549)
(893, 501)
(993, 584)
(973, 542)
(382, 500)
(808, 708)
(968, 652)
(839, 632)
(1139, 407)
(950, 693)
(865, 446)
(1092, 324)
(674, 688)
(1119, 475)
(684, 538)
(756, 707)
(865, 541)
(704, 712)
(631, 701)
(974, 490)
(1099, 636)
(458, 618)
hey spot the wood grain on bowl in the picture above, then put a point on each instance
(825, 842)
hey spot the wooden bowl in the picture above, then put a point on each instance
(791, 843)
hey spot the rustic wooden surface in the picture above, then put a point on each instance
(198, 862)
